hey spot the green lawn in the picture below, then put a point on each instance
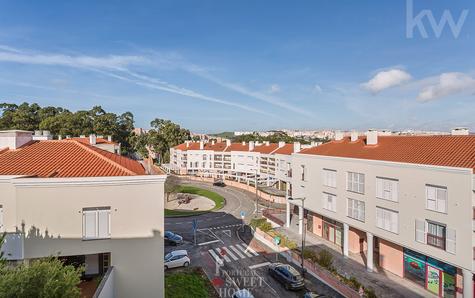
(218, 200)
(188, 283)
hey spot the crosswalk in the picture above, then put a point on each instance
(225, 227)
(232, 253)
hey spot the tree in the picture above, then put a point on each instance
(164, 135)
(171, 186)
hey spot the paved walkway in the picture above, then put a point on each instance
(385, 284)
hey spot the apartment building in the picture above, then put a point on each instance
(269, 163)
(86, 205)
(406, 203)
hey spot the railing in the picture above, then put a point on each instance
(269, 213)
(436, 241)
(106, 287)
(12, 247)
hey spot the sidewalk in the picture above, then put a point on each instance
(385, 284)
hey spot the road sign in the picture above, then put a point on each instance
(195, 224)
(276, 240)
(243, 214)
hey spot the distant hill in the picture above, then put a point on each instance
(224, 134)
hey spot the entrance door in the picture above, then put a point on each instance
(434, 280)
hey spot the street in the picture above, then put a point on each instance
(230, 262)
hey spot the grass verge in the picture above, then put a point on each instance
(190, 282)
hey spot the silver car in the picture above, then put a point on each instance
(177, 258)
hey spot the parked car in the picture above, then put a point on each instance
(313, 295)
(172, 238)
(177, 258)
(287, 276)
(243, 293)
(219, 183)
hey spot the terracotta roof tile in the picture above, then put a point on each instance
(287, 149)
(66, 158)
(98, 141)
(266, 149)
(450, 151)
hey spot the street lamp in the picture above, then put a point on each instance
(302, 224)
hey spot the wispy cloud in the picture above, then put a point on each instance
(386, 79)
(114, 66)
(274, 88)
(448, 84)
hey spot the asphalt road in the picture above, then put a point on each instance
(228, 261)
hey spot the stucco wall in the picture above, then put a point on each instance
(391, 257)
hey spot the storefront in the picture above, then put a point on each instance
(332, 231)
(437, 277)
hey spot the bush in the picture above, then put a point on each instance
(370, 293)
(257, 222)
(325, 259)
(265, 226)
(354, 283)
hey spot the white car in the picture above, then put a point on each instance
(177, 258)
(243, 293)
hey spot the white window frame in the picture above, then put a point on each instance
(329, 201)
(303, 175)
(2, 224)
(95, 212)
(355, 182)
(387, 189)
(354, 210)
(329, 177)
(387, 219)
(436, 198)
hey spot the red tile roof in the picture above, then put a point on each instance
(66, 158)
(450, 151)
(287, 149)
(238, 147)
(266, 149)
(98, 141)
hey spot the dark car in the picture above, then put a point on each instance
(287, 276)
(313, 295)
(219, 183)
(172, 238)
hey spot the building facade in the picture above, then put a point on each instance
(405, 202)
(85, 205)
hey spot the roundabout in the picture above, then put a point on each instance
(190, 200)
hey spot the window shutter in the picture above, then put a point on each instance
(394, 191)
(379, 188)
(441, 200)
(430, 197)
(379, 217)
(420, 231)
(395, 222)
(90, 226)
(450, 241)
(103, 216)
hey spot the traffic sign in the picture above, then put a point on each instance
(276, 240)
(195, 224)
(243, 213)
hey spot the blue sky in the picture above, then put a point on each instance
(245, 65)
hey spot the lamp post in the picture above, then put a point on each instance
(257, 197)
(304, 229)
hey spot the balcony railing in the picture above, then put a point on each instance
(106, 286)
(436, 241)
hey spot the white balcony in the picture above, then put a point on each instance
(12, 247)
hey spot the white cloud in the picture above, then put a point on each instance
(274, 88)
(386, 79)
(448, 84)
(317, 89)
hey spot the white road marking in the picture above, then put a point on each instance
(259, 265)
(215, 257)
(227, 232)
(248, 248)
(237, 252)
(216, 236)
(209, 242)
(226, 258)
(228, 251)
(243, 249)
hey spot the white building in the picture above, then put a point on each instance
(85, 205)
(404, 202)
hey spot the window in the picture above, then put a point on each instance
(387, 189)
(436, 198)
(204, 164)
(1, 219)
(387, 219)
(303, 172)
(329, 177)
(204, 157)
(356, 209)
(355, 182)
(436, 235)
(96, 223)
(329, 201)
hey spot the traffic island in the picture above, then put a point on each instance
(192, 201)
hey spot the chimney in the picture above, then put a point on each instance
(460, 131)
(228, 143)
(281, 144)
(212, 142)
(38, 132)
(60, 137)
(92, 139)
(82, 136)
(372, 137)
(187, 144)
(68, 136)
(354, 136)
(297, 147)
(202, 145)
(251, 145)
(14, 139)
(338, 135)
(267, 143)
(244, 143)
(109, 138)
(46, 133)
